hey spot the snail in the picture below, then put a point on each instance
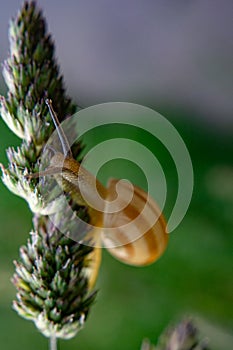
(133, 231)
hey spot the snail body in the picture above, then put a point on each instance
(134, 232)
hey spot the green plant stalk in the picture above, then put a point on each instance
(53, 342)
(50, 276)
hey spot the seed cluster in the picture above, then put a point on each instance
(50, 276)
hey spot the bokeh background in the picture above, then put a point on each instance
(175, 57)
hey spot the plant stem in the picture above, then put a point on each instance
(53, 342)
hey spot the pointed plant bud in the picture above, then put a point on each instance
(53, 274)
(51, 282)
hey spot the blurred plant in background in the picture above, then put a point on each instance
(184, 336)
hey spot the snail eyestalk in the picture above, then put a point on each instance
(63, 139)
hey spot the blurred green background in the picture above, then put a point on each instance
(194, 277)
(158, 55)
